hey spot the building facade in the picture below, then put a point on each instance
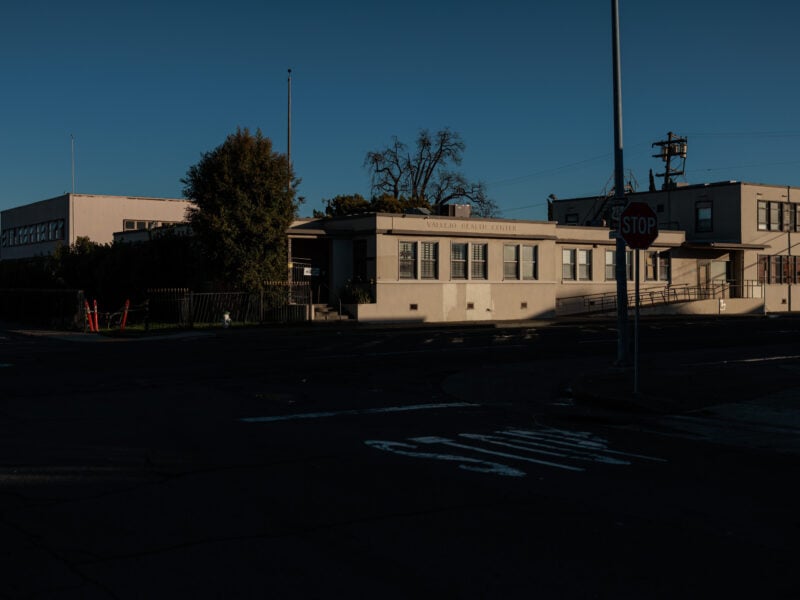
(419, 268)
(740, 236)
(37, 228)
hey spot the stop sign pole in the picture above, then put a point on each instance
(639, 229)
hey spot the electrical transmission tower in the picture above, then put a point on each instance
(672, 148)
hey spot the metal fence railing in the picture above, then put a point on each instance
(607, 301)
(279, 302)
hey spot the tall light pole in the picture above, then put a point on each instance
(289, 128)
(619, 195)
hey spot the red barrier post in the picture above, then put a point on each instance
(125, 315)
(89, 315)
(96, 317)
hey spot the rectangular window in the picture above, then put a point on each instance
(458, 261)
(651, 266)
(763, 215)
(510, 262)
(568, 264)
(703, 214)
(663, 266)
(787, 217)
(408, 260)
(478, 261)
(775, 216)
(611, 264)
(529, 260)
(128, 225)
(584, 265)
(430, 260)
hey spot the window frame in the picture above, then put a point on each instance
(407, 260)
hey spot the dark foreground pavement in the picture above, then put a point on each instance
(127, 471)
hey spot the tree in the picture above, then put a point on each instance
(244, 203)
(424, 176)
(346, 205)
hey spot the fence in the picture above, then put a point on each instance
(280, 302)
(61, 309)
(607, 301)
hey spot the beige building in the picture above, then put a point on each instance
(37, 228)
(741, 238)
(426, 268)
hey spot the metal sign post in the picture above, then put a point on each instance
(636, 330)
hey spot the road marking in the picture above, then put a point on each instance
(357, 411)
(467, 463)
(547, 447)
(746, 360)
(452, 444)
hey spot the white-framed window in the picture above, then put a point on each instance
(519, 261)
(458, 261)
(418, 260)
(510, 261)
(478, 261)
(429, 260)
(530, 256)
(611, 265)
(585, 265)
(408, 260)
(568, 270)
(657, 266)
(468, 261)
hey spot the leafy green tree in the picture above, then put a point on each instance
(424, 176)
(346, 205)
(244, 203)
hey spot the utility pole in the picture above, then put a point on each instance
(619, 196)
(672, 147)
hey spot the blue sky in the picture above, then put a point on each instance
(147, 87)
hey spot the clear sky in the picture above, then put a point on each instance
(145, 88)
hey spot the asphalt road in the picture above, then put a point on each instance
(447, 462)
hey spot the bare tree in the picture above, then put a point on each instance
(424, 177)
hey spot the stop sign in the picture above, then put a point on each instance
(638, 225)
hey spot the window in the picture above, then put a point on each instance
(568, 264)
(468, 261)
(778, 269)
(657, 267)
(408, 260)
(763, 215)
(430, 260)
(571, 219)
(128, 225)
(529, 260)
(514, 268)
(775, 213)
(703, 222)
(778, 216)
(478, 261)
(584, 265)
(611, 264)
(510, 262)
(458, 261)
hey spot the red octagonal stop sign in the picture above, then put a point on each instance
(638, 225)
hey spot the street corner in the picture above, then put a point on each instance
(614, 390)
